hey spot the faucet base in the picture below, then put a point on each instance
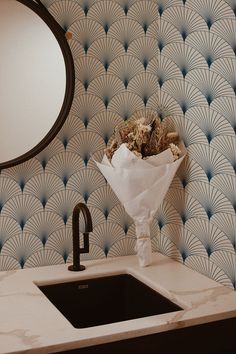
(78, 268)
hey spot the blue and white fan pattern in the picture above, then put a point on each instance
(174, 57)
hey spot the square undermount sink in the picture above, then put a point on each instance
(99, 301)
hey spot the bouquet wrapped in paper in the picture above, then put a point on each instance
(139, 165)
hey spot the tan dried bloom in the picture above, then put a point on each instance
(175, 151)
(138, 154)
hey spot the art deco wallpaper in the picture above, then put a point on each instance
(175, 57)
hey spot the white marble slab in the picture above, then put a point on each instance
(30, 323)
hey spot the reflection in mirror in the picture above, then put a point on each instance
(36, 86)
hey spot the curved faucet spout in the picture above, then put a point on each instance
(77, 250)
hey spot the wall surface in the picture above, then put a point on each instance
(175, 57)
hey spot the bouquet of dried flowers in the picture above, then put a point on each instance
(139, 165)
(144, 136)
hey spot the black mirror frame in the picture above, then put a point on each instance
(60, 35)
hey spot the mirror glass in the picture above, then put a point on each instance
(33, 80)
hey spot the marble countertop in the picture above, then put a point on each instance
(31, 324)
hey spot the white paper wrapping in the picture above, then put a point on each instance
(141, 186)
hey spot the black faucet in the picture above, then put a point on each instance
(76, 266)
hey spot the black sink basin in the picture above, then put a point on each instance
(98, 301)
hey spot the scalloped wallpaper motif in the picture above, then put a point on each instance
(130, 55)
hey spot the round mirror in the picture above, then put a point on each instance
(37, 80)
